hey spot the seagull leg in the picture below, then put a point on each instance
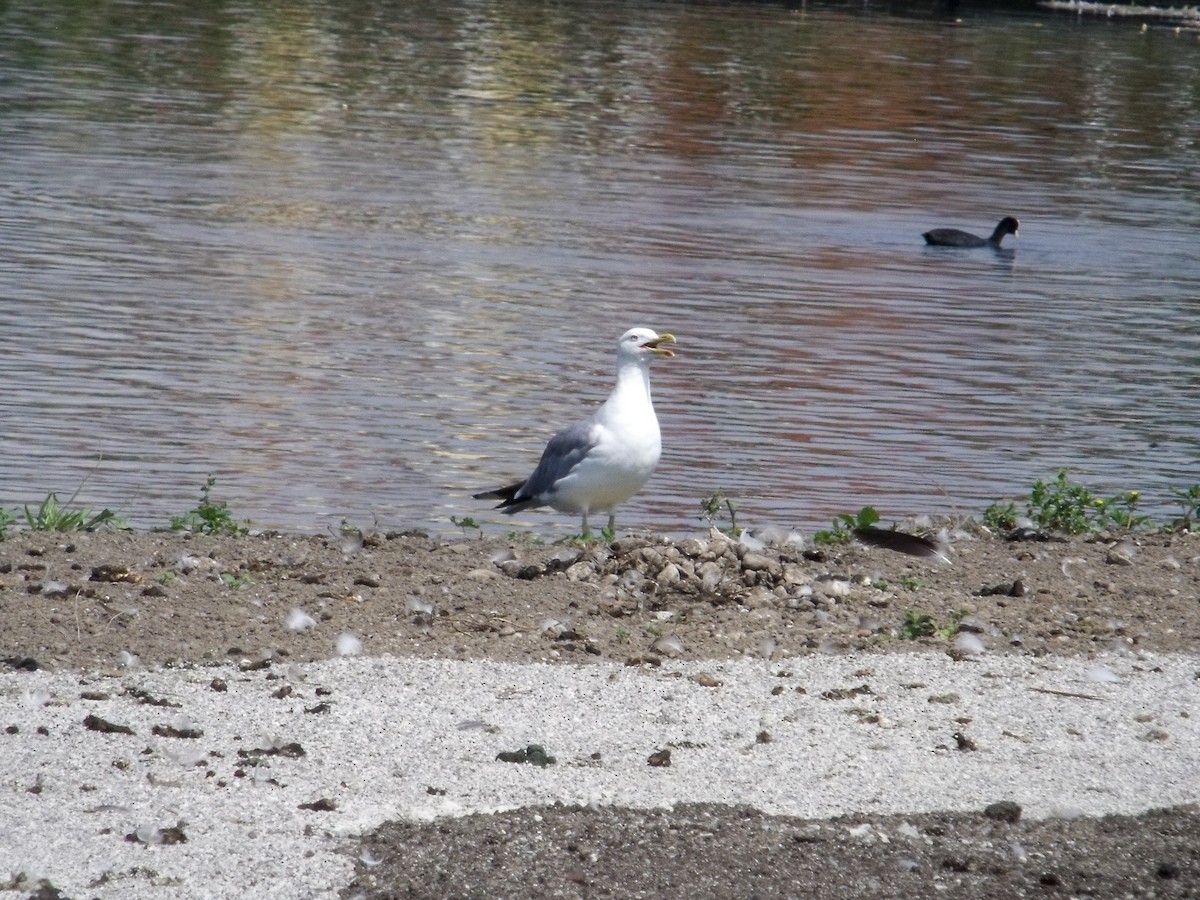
(612, 523)
(585, 531)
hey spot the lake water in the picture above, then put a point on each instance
(359, 260)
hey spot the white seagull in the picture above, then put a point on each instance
(598, 463)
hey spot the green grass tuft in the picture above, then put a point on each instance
(8, 518)
(50, 515)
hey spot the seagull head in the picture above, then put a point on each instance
(644, 344)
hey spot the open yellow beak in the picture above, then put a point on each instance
(655, 344)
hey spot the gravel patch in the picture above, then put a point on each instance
(233, 781)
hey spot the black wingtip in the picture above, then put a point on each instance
(901, 542)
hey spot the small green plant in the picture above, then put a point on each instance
(166, 576)
(608, 534)
(465, 522)
(1062, 505)
(1121, 511)
(51, 515)
(711, 508)
(954, 626)
(528, 538)
(621, 635)
(209, 516)
(1188, 498)
(917, 625)
(911, 582)
(844, 525)
(236, 582)
(8, 518)
(1001, 516)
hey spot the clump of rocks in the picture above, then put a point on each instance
(718, 569)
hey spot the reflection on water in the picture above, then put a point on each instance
(359, 261)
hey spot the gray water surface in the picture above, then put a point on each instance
(359, 261)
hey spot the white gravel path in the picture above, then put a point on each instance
(413, 738)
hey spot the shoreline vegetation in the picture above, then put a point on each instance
(1059, 505)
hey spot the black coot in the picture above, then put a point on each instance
(952, 237)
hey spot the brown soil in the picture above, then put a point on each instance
(80, 600)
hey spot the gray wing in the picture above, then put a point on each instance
(564, 452)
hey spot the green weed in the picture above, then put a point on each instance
(209, 516)
(1001, 516)
(1121, 511)
(8, 518)
(954, 625)
(844, 525)
(51, 515)
(607, 535)
(711, 510)
(528, 538)
(1188, 498)
(465, 522)
(235, 582)
(919, 625)
(1062, 505)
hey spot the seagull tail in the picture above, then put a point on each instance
(508, 498)
(890, 539)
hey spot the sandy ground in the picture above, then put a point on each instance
(113, 603)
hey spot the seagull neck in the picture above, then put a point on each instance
(633, 384)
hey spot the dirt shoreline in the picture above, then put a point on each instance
(81, 600)
(108, 601)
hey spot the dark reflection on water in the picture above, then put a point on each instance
(359, 259)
